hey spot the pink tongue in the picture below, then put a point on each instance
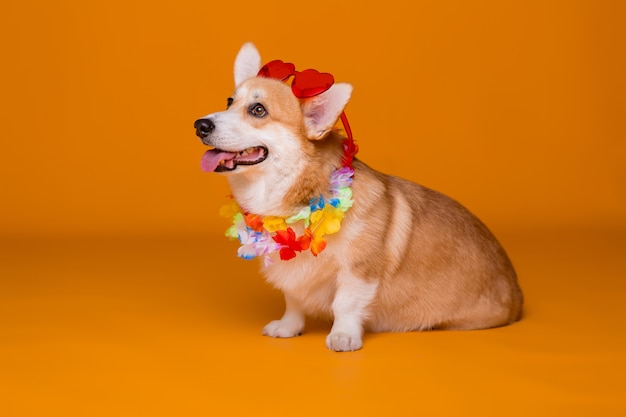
(212, 158)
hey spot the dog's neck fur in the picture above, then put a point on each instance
(284, 191)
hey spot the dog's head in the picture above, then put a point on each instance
(265, 126)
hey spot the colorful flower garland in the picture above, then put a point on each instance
(261, 236)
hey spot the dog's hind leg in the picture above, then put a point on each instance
(290, 325)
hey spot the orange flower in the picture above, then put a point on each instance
(317, 246)
(254, 222)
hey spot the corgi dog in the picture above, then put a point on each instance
(342, 241)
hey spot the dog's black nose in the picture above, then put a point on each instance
(204, 127)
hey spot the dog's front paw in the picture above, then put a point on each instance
(282, 328)
(343, 342)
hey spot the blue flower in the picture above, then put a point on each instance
(317, 203)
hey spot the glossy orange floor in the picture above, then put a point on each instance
(170, 326)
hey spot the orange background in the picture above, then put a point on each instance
(514, 108)
(118, 297)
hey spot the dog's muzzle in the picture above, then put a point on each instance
(204, 127)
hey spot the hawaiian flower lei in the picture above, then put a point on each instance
(263, 235)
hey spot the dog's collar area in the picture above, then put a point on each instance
(265, 235)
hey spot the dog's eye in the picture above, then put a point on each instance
(257, 110)
(229, 102)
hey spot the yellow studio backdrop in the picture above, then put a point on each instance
(119, 297)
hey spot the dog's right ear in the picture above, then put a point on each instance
(247, 63)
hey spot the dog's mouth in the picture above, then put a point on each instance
(218, 160)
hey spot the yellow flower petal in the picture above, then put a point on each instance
(326, 221)
(274, 223)
(229, 209)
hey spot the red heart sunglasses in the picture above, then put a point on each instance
(306, 84)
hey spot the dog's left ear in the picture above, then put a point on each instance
(322, 112)
(247, 63)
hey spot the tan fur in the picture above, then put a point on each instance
(406, 258)
(437, 266)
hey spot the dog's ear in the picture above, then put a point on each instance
(247, 63)
(322, 112)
